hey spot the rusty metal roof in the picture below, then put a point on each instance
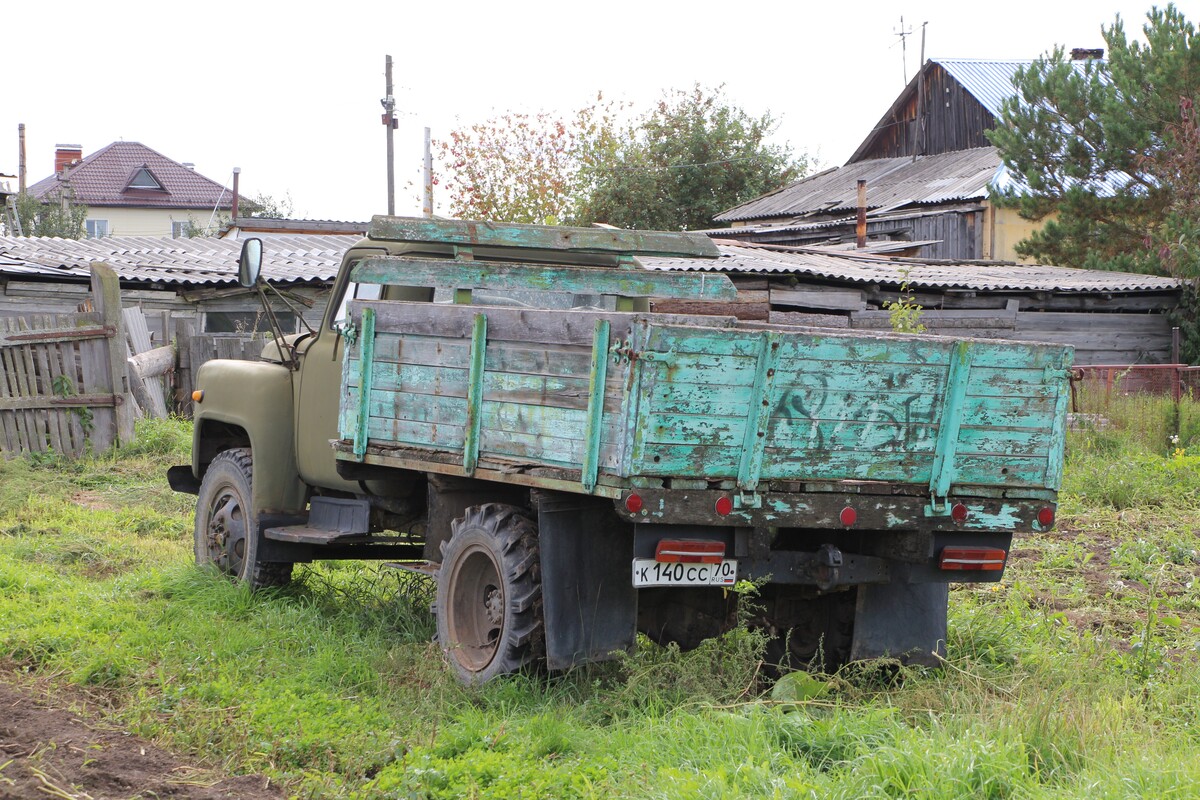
(853, 268)
(891, 183)
(202, 260)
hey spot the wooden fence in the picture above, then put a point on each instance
(63, 384)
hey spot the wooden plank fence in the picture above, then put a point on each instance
(63, 384)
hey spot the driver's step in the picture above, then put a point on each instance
(329, 519)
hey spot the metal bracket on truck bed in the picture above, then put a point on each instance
(943, 473)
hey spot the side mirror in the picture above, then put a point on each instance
(250, 262)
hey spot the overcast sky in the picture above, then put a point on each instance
(290, 91)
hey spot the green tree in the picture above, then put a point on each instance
(692, 157)
(62, 218)
(687, 159)
(527, 167)
(1102, 149)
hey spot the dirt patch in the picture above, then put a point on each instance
(48, 751)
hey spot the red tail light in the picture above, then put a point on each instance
(973, 558)
(690, 551)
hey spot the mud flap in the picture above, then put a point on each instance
(589, 603)
(901, 620)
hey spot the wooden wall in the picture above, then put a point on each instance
(953, 120)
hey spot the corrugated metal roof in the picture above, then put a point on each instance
(866, 269)
(102, 179)
(891, 182)
(286, 258)
(990, 82)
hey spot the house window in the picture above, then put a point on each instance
(96, 228)
(181, 230)
(246, 321)
(142, 179)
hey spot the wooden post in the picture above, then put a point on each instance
(106, 296)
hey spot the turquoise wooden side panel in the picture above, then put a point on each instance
(532, 401)
(850, 407)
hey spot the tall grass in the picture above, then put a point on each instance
(1076, 677)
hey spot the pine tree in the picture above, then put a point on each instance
(1103, 151)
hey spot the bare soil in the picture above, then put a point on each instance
(49, 751)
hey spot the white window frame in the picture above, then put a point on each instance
(180, 229)
(96, 228)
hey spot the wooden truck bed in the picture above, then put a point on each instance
(599, 401)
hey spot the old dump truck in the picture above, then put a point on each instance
(496, 406)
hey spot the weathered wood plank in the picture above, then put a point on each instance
(501, 276)
(106, 294)
(426, 381)
(841, 300)
(540, 237)
(530, 326)
(138, 335)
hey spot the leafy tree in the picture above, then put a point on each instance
(527, 168)
(1106, 152)
(62, 218)
(265, 206)
(692, 157)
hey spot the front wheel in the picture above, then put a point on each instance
(489, 597)
(227, 535)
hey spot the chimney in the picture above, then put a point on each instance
(65, 155)
(860, 229)
(1085, 54)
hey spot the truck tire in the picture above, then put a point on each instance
(227, 533)
(489, 596)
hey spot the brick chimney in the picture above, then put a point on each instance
(65, 155)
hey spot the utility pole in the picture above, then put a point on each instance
(391, 123)
(21, 158)
(427, 203)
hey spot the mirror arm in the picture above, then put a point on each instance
(276, 330)
(290, 306)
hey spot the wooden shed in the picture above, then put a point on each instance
(1109, 317)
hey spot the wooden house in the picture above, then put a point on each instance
(928, 169)
(131, 190)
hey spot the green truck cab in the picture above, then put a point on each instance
(495, 405)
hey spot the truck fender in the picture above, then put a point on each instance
(250, 404)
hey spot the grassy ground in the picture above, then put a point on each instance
(1075, 677)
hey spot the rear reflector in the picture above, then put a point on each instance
(1045, 517)
(848, 516)
(981, 558)
(959, 512)
(633, 503)
(724, 506)
(689, 551)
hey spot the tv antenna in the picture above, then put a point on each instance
(904, 33)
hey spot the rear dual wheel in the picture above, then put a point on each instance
(489, 598)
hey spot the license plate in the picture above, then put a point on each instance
(648, 572)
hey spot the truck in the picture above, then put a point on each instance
(500, 408)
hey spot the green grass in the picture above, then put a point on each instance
(1075, 677)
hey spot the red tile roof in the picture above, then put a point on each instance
(102, 179)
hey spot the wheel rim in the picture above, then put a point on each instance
(476, 618)
(225, 534)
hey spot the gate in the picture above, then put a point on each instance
(63, 382)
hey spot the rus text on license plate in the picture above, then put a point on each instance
(648, 572)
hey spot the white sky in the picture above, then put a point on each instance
(290, 91)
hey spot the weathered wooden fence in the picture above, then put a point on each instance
(63, 382)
